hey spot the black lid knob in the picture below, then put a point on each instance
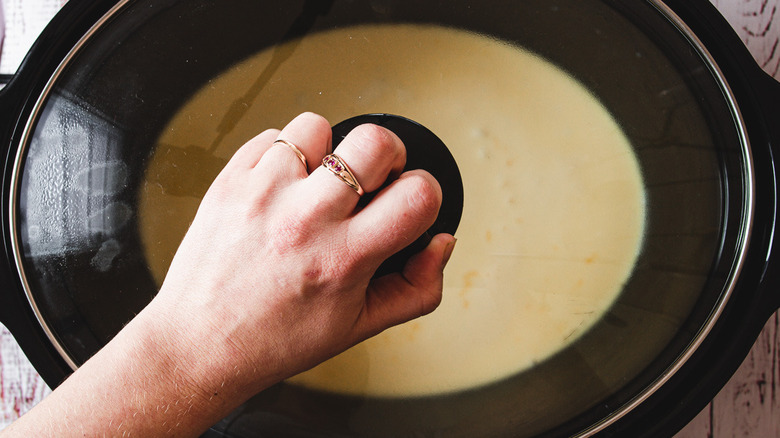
(424, 150)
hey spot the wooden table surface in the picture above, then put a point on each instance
(748, 406)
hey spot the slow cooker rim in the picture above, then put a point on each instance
(17, 170)
(743, 235)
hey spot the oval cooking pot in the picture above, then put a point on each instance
(695, 107)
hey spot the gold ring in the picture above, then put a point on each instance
(294, 149)
(335, 164)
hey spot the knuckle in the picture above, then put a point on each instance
(295, 230)
(376, 141)
(424, 195)
(290, 233)
(429, 301)
(318, 121)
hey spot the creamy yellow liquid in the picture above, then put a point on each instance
(553, 214)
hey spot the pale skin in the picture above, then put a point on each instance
(272, 278)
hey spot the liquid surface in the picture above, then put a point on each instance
(554, 204)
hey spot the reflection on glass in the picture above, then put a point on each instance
(73, 174)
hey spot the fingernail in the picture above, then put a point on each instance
(448, 252)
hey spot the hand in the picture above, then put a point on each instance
(277, 264)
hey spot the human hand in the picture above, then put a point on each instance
(274, 275)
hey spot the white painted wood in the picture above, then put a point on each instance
(20, 386)
(757, 23)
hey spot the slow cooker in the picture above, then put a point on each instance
(105, 77)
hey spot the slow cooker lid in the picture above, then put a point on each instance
(74, 206)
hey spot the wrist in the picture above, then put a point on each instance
(162, 372)
(189, 356)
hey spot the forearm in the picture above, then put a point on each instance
(150, 380)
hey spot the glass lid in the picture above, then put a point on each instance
(607, 194)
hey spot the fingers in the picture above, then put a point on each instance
(250, 153)
(397, 216)
(311, 134)
(372, 153)
(417, 291)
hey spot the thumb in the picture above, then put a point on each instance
(416, 291)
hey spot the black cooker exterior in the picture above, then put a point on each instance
(757, 293)
(662, 414)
